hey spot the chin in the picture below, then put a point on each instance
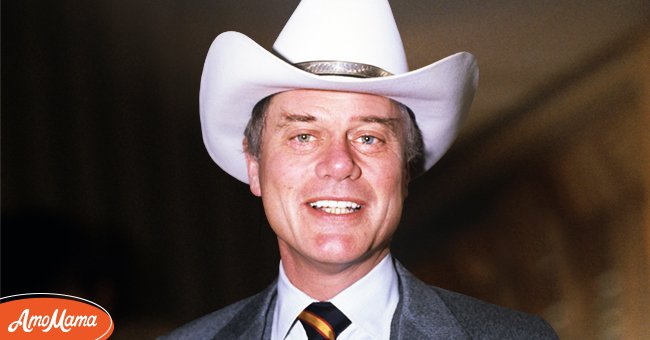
(339, 251)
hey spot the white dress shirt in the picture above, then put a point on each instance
(369, 303)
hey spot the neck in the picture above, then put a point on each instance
(322, 281)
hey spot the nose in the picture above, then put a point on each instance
(338, 163)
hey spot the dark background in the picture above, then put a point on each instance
(109, 194)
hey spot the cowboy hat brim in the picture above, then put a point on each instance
(238, 73)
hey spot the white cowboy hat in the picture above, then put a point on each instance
(340, 45)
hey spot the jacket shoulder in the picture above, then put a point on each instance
(232, 319)
(483, 320)
(208, 325)
(427, 309)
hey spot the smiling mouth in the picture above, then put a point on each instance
(336, 207)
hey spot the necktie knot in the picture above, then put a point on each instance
(323, 321)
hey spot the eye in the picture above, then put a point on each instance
(366, 139)
(304, 138)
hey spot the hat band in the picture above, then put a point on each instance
(342, 68)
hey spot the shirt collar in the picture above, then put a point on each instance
(290, 302)
(369, 303)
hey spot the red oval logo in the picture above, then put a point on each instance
(53, 316)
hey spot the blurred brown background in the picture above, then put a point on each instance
(542, 204)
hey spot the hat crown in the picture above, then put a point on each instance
(358, 31)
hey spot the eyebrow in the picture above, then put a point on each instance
(288, 118)
(296, 117)
(392, 123)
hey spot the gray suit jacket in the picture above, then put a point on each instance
(424, 312)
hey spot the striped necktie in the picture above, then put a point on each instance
(323, 321)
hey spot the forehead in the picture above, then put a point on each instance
(315, 102)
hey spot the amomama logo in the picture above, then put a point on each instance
(53, 316)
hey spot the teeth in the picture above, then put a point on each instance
(336, 207)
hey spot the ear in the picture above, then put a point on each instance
(252, 165)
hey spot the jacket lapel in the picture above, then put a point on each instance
(421, 314)
(254, 320)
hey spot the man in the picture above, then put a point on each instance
(329, 134)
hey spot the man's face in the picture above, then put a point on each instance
(331, 174)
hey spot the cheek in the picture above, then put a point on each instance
(391, 189)
(392, 180)
(278, 185)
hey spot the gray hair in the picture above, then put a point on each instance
(413, 148)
